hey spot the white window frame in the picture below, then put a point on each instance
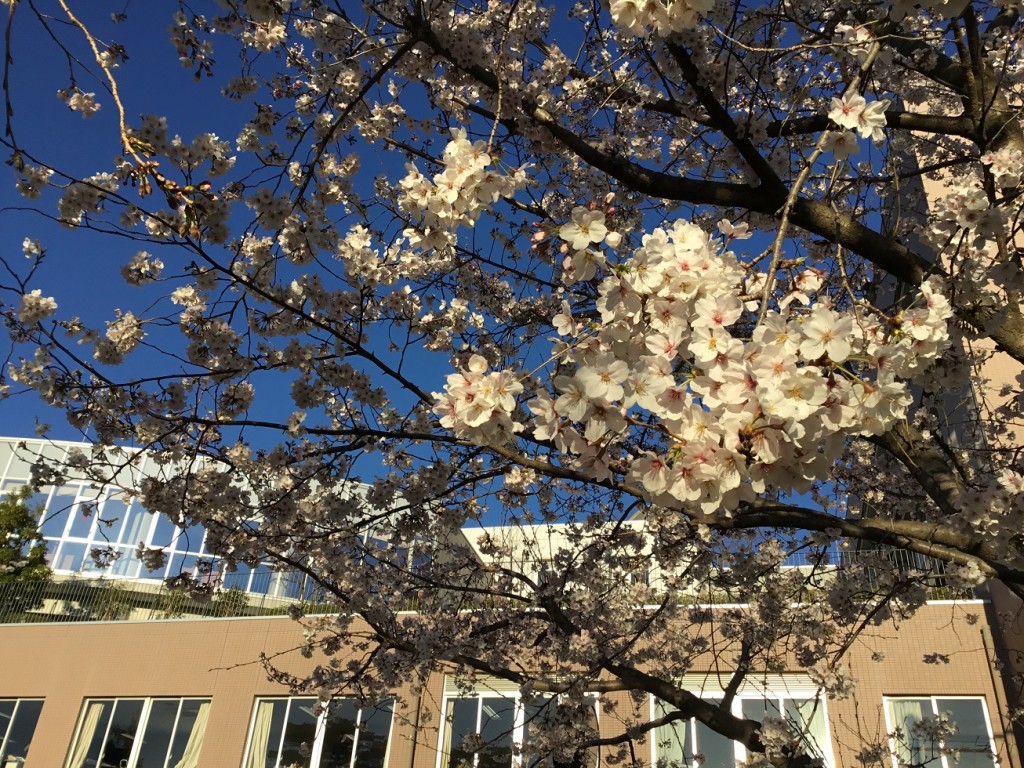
(777, 693)
(140, 729)
(934, 699)
(316, 749)
(494, 689)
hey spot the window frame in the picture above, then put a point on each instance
(6, 734)
(777, 695)
(140, 729)
(934, 698)
(316, 748)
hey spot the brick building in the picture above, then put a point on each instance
(103, 667)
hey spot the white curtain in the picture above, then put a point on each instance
(86, 733)
(190, 758)
(911, 749)
(260, 735)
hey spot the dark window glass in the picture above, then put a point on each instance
(343, 728)
(159, 729)
(95, 720)
(164, 733)
(124, 726)
(497, 719)
(339, 735)
(462, 714)
(266, 735)
(299, 733)
(759, 709)
(374, 730)
(189, 731)
(17, 724)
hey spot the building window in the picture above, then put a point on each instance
(139, 733)
(940, 732)
(687, 742)
(18, 718)
(500, 726)
(290, 732)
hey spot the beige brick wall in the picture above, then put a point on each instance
(944, 649)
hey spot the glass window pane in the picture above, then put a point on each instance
(164, 532)
(339, 735)
(6, 715)
(374, 730)
(19, 729)
(159, 728)
(55, 517)
(971, 740)
(299, 733)
(496, 723)
(83, 515)
(237, 578)
(713, 750)
(111, 519)
(268, 723)
(911, 747)
(137, 524)
(191, 539)
(759, 709)
(124, 727)
(809, 716)
(461, 721)
(71, 556)
(671, 745)
(188, 734)
(92, 730)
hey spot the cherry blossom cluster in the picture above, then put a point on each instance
(456, 196)
(84, 197)
(853, 111)
(1006, 165)
(736, 404)
(665, 18)
(477, 404)
(35, 308)
(965, 206)
(84, 104)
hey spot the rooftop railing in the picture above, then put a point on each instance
(77, 600)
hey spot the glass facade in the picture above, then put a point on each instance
(18, 718)
(288, 732)
(78, 517)
(140, 733)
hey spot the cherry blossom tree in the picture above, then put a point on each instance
(709, 285)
